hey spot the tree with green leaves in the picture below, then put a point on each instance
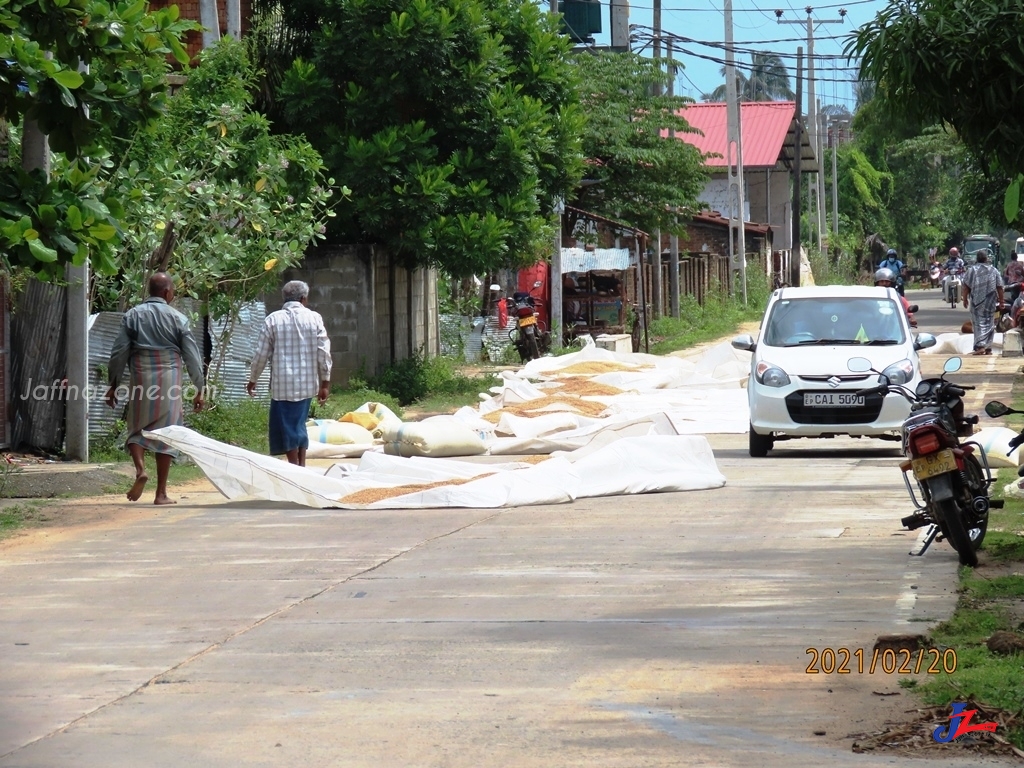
(955, 62)
(73, 68)
(454, 122)
(240, 203)
(636, 173)
(768, 80)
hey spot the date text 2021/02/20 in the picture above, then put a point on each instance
(843, 661)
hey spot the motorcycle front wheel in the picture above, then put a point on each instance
(951, 523)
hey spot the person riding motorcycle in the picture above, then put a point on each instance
(953, 268)
(885, 278)
(893, 263)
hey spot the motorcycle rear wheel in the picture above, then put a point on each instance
(948, 515)
(531, 345)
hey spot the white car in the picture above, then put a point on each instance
(800, 385)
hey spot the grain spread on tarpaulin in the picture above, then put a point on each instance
(371, 495)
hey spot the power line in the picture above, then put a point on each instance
(736, 44)
(781, 55)
(752, 10)
(751, 68)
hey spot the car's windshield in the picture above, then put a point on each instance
(834, 320)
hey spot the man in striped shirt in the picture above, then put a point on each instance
(295, 343)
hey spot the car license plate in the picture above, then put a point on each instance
(530, 320)
(832, 400)
(934, 464)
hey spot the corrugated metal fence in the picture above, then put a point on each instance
(233, 346)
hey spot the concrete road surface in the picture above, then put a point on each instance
(641, 631)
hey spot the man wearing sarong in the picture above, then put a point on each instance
(155, 342)
(983, 292)
(294, 341)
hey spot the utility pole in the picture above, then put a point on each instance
(673, 240)
(656, 289)
(556, 319)
(794, 257)
(734, 161)
(822, 223)
(812, 106)
(835, 124)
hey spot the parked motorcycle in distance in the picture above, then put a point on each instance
(528, 335)
(953, 477)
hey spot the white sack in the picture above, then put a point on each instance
(318, 450)
(996, 442)
(337, 432)
(437, 437)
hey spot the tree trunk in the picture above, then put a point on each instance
(210, 21)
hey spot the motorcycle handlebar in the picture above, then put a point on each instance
(879, 390)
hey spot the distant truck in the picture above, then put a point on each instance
(975, 243)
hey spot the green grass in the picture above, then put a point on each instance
(13, 517)
(988, 603)
(719, 316)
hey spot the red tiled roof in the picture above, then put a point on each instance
(764, 124)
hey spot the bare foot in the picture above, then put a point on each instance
(163, 499)
(138, 487)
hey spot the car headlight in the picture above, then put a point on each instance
(770, 375)
(899, 373)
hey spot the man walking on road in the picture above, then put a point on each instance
(295, 343)
(153, 342)
(983, 292)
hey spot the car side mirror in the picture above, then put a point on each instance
(745, 342)
(924, 340)
(913, 308)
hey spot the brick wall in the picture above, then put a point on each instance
(189, 9)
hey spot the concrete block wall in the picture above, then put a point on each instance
(351, 287)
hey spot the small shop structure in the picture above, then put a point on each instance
(594, 297)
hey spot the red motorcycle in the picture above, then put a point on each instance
(953, 477)
(529, 335)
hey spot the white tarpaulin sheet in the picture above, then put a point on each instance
(532, 412)
(609, 465)
(958, 344)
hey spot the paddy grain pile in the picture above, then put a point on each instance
(596, 367)
(581, 386)
(371, 495)
(541, 405)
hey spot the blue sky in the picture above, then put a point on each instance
(755, 28)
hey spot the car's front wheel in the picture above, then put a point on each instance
(760, 444)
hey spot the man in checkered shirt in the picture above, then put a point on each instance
(294, 341)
